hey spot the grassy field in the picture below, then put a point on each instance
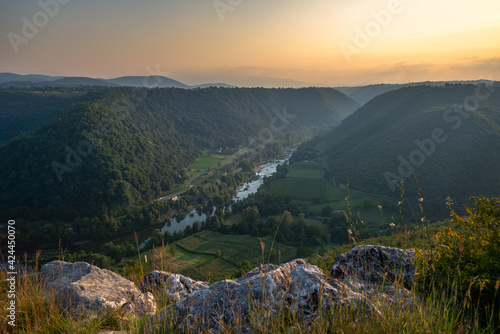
(301, 188)
(307, 170)
(306, 184)
(207, 160)
(305, 181)
(362, 204)
(337, 196)
(195, 256)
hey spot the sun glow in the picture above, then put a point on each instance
(306, 42)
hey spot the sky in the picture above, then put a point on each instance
(254, 42)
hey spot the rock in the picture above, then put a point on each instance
(296, 285)
(174, 285)
(83, 288)
(376, 264)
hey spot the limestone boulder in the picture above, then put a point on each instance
(176, 286)
(296, 285)
(376, 264)
(83, 288)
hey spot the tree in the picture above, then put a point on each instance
(196, 226)
(172, 249)
(108, 248)
(188, 230)
(167, 236)
(156, 237)
(246, 166)
(249, 215)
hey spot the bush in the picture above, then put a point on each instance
(467, 260)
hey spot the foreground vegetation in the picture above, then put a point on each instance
(455, 290)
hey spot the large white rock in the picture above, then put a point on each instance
(296, 285)
(84, 288)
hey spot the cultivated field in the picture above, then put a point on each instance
(197, 254)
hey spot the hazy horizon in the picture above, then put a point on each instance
(243, 43)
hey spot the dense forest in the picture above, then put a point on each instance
(25, 110)
(124, 147)
(447, 138)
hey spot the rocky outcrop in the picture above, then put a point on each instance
(176, 286)
(297, 286)
(367, 278)
(376, 264)
(83, 288)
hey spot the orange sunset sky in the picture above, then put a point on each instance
(254, 42)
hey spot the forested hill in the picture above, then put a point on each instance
(363, 94)
(126, 146)
(25, 110)
(449, 137)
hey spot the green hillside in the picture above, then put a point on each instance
(22, 110)
(449, 137)
(128, 146)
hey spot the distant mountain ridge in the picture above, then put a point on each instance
(147, 81)
(363, 94)
(153, 81)
(359, 93)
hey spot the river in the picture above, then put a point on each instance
(247, 189)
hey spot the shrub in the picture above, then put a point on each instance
(466, 261)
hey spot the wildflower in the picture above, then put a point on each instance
(399, 203)
(349, 231)
(380, 207)
(421, 199)
(392, 225)
(423, 220)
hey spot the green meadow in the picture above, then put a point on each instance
(301, 188)
(207, 160)
(305, 183)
